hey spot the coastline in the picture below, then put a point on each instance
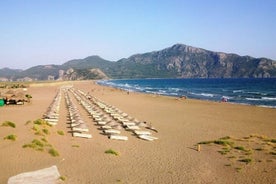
(181, 124)
(256, 92)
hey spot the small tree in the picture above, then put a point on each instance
(28, 96)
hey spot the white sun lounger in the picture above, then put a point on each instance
(147, 137)
(105, 127)
(101, 123)
(52, 123)
(129, 123)
(51, 119)
(132, 127)
(118, 137)
(139, 132)
(76, 129)
(76, 134)
(112, 131)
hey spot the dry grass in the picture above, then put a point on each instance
(238, 150)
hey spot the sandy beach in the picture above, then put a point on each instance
(173, 158)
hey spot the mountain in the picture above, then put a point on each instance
(8, 73)
(178, 61)
(40, 72)
(184, 61)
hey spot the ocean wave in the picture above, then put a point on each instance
(269, 98)
(202, 94)
(238, 91)
(254, 99)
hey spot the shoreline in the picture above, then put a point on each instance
(179, 96)
(173, 158)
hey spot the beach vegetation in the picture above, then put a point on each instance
(35, 128)
(62, 178)
(241, 148)
(246, 160)
(53, 152)
(28, 122)
(111, 151)
(259, 149)
(28, 96)
(35, 144)
(9, 124)
(44, 140)
(41, 122)
(225, 138)
(11, 137)
(45, 131)
(60, 132)
(238, 169)
(206, 142)
(222, 141)
(232, 157)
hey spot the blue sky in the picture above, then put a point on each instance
(34, 32)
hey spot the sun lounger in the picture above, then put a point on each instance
(106, 127)
(111, 131)
(139, 132)
(118, 137)
(147, 137)
(132, 127)
(101, 123)
(129, 123)
(51, 119)
(77, 134)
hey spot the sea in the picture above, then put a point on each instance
(247, 91)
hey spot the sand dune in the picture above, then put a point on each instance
(173, 158)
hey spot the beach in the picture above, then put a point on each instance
(173, 158)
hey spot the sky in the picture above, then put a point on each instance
(40, 32)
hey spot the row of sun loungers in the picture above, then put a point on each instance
(52, 113)
(78, 126)
(107, 124)
(112, 120)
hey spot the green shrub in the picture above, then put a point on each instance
(9, 124)
(63, 178)
(110, 151)
(53, 152)
(45, 131)
(60, 132)
(35, 144)
(11, 137)
(41, 122)
(28, 122)
(246, 160)
(240, 148)
(223, 142)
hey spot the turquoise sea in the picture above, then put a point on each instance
(260, 92)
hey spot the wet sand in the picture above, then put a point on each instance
(173, 158)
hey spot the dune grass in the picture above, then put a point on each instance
(11, 137)
(244, 150)
(60, 132)
(53, 152)
(41, 128)
(35, 144)
(9, 124)
(111, 151)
